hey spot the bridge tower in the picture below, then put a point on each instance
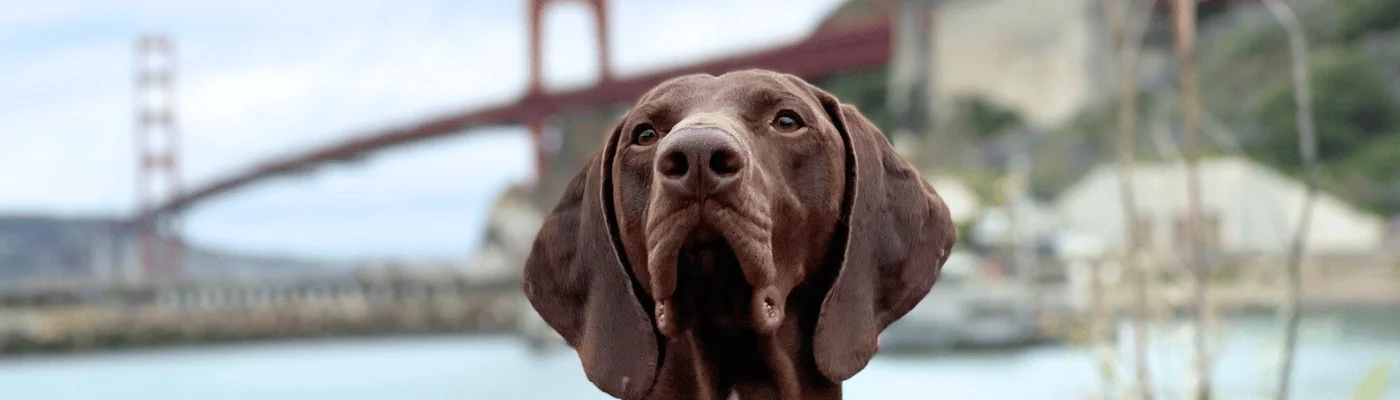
(536, 123)
(157, 146)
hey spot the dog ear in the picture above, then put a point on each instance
(897, 235)
(576, 279)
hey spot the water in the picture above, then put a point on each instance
(1333, 358)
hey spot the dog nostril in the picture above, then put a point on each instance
(768, 310)
(674, 165)
(724, 162)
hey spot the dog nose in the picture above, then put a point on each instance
(699, 161)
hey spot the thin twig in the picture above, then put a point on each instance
(1185, 21)
(1127, 121)
(1099, 325)
(1307, 145)
(1161, 136)
(1215, 130)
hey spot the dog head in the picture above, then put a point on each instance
(710, 202)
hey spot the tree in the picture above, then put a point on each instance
(1358, 121)
(1359, 17)
(1353, 109)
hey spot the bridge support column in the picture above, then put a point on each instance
(157, 147)
(536, 124)
(162, 249)
(600, 24)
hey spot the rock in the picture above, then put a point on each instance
(510, 232)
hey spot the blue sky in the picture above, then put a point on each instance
(263, 78)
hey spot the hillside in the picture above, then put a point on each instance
(46, 247)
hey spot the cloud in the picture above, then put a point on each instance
(678, 33)
(264, 79)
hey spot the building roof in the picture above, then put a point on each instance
(1258, 207)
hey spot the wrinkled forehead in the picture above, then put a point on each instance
(739, 95)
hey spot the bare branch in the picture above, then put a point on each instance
(1184, 16)
(1307, 145)
(1127, 51)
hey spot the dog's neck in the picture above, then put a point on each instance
(727, 357)
(728, 363)
(722, 349)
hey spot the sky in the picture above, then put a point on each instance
(258, 79)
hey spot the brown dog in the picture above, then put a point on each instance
(743, 235)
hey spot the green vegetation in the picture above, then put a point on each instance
(1244, 56)
(1356, 107)
(866, 90)
(986, 119)
(1358, 125)
(1359, 17)
(1352, 105)
(1373, 386)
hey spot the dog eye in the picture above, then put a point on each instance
(787, 121)
(644, 135)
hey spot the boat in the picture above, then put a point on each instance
(967, 308)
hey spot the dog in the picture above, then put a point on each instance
(737, 236)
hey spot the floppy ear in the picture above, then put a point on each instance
(575, 278)
(897, 234)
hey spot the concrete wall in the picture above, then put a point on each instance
(1044, 58)
(510, 234)
(568, 141)
(519, 211)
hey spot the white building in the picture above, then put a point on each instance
(1246, 208)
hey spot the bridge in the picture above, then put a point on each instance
(858, 36)
(166, 304)
(850, 44)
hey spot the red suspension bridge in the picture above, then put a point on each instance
(850, 43)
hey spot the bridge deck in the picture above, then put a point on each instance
(825, 52)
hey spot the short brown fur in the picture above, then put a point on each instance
(775, 288)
